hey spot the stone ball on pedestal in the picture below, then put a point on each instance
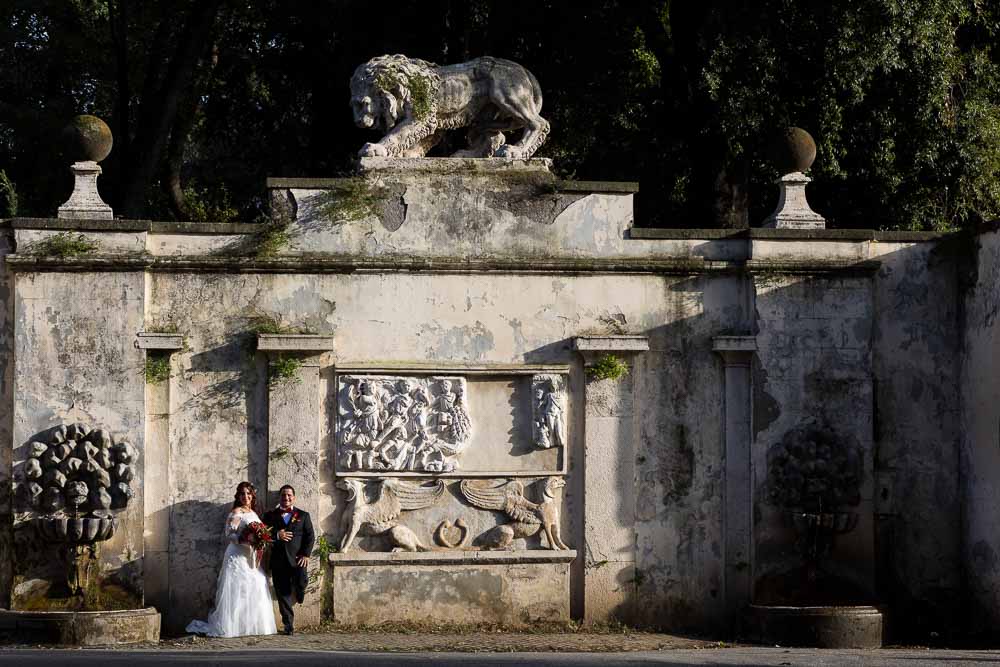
(87, 138)
(793, 150)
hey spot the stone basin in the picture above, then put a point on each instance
(82, 628)
(846, 626)
(80, 530)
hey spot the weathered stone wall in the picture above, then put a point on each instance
(916, 346)
(980, 453)
(76, 361)
(502, 273)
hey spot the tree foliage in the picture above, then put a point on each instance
(208, 97)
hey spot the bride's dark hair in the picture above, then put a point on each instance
(253, 496)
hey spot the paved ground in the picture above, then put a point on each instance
(349, 648)
(763, 657)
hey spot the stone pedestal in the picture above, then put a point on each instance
(512, 588)
(737, 354)
(610, 432)
(85, 203)
(793, 211)
(293, 437)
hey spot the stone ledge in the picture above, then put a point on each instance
(453, 557)
(294, 343)
(619, 343)
(656, 233)
(603, 187)
(734, 343)
(121, 225)
(147, 340)
(446, 367)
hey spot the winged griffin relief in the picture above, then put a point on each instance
(528, 518)
(403, 423)
(381, 516)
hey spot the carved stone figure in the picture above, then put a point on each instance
(414, 102)
(381, 516)
(528, 518)
(402, 423)
(548, 420)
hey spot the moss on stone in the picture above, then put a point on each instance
(350, 200)
(608, 367)
(156, 368)
(63, 244)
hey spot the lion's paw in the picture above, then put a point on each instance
(510, 152)
(373, 150)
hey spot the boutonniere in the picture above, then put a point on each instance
(295, 517)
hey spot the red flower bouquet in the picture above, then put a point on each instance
(258, 536)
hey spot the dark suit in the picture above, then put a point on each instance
(289, 579)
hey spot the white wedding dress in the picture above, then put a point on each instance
(242, 600)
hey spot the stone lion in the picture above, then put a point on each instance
(415, 102)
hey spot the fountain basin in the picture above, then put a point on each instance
(69, 530)
(83, 628)
(847, 626)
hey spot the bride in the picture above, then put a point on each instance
(242, 600)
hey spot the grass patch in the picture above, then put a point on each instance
(350, 200)
(608, 367)
(156, 369)
(271, 239)
(64, 244)
(268, 324)
(285, 369)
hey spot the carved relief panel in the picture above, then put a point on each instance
(402, 423)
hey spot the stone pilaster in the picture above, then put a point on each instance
(737, 354)
(610, 432)
(294, 436)
(156, 498)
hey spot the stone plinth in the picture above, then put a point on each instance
(793, 210)
(85, 203)
(511, 588)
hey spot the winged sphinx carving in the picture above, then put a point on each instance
(528, 518)
(381, 516)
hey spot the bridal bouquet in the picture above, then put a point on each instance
(258, 536)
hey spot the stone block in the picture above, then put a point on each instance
(510, 594)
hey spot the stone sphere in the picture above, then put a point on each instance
(793, 150)
(87, 138)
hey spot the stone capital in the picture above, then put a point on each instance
(735, 350)
(592, 348)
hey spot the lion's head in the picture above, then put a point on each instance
(382, 89)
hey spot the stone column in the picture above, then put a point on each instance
(737, 353)
(610, 432)
(293, 437)
(156, 479)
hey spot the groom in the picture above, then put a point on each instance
(293, 542)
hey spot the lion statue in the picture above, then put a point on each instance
(415, 102)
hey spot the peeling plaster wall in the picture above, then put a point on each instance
(980, 445)
(76, 361)
(917, 494)
(814, 367)
(218, 427)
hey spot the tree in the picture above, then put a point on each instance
(208, 98)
